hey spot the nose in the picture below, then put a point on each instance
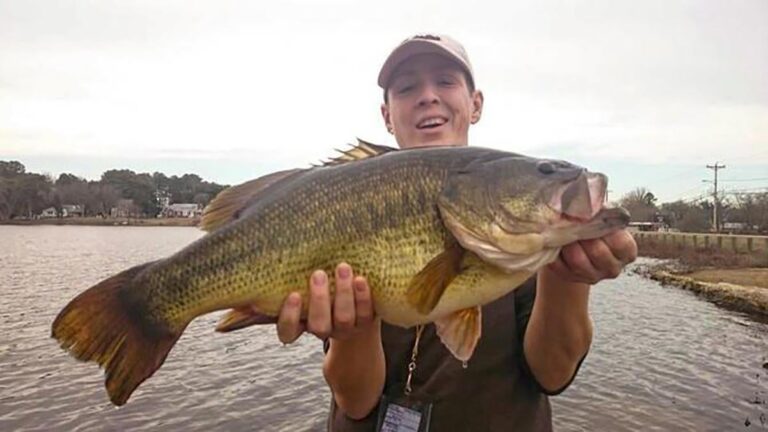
(428, 95)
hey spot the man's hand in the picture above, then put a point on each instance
(348, 313)
(590, 261)
(354, 364)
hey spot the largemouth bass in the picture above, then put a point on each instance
(437, 232)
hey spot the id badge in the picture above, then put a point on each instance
(403, 415)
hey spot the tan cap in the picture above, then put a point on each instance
(425, 44)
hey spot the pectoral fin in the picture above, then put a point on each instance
(427, 287)
(460, 332)
(242, 317)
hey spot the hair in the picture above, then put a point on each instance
(467, 78)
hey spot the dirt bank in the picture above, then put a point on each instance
(743, 289)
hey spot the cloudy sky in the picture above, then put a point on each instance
(649, 92)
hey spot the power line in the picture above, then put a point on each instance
(681, 196)
(740, 180)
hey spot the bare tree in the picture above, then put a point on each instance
(641, 204)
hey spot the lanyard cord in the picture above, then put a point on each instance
(412, 364)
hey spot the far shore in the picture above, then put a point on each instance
(165, 222)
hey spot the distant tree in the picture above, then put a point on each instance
(5, 209)
(102, 198)
(673, 212)
(9, 169)
(697, 219)
(202, 198)
(185, 189)
(29, 195)
(73, 193)
(26, 194)
(67, 179)
(641, 204)
(138, 187)
(750, 209)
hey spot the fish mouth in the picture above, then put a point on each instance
(609, 219)
(606, 221)
(431, 122)
(581, 199)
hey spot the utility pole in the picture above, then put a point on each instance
(715, 167)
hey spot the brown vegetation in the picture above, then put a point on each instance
(741, 276)
(700, 257)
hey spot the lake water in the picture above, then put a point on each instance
(662, 359)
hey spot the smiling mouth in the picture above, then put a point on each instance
(431, 123)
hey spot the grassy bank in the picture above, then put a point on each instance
(170, 222)
(736, 281)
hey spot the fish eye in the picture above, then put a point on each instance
(546, 167)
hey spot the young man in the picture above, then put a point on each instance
(534, 339)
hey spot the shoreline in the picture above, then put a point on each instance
(97, 221)
(740, 289)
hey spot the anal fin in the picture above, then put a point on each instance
(460, 332)
(242, 317)
(427, 287)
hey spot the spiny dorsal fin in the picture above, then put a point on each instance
(229, 203)
(427, 287)
(363, 150)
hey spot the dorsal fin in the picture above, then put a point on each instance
(229, 203)
(363, 150)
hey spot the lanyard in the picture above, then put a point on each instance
(412, 364)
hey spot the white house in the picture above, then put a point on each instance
(187, 210)
(125, 208)
(72, 210)
(50, 212)
(67, 210)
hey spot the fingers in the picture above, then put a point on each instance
(575, 265)
(352, 306)
(622, 245)
(604, 264)
(363, 302)
(590, 261)
(350, 309)
(319, 313)
(344, 300)
(289, 326)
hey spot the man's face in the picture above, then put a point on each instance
(429, 103)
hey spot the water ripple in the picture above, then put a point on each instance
(662, 359)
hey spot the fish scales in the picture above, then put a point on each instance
(373, 212)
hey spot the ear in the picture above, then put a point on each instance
(387, 120)
(477, 106)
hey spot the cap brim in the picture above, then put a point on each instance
(410, 49)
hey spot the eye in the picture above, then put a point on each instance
(446, 81)
(546, 167)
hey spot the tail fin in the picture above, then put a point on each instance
(104, 324)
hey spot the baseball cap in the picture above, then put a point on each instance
(425, 44)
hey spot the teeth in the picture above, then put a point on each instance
(435, 121)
